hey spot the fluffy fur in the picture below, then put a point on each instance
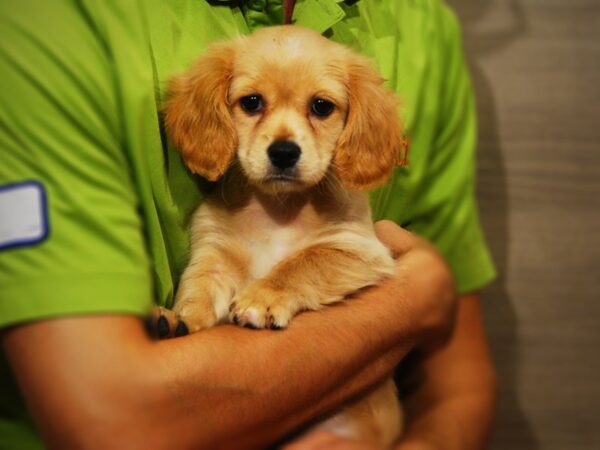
(271, 242)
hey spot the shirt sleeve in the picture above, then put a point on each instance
(451, 219)
(60, 131)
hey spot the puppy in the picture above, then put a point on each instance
(292, 127)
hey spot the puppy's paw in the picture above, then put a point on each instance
(261, 307)
(196, 313)
(164, 323)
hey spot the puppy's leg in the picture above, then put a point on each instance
(331, 268)
(213, 277)
(377, 417)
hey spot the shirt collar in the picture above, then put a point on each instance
(318, 15)
(233, 3)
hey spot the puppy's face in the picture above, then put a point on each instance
(289, 105)
(292, 106)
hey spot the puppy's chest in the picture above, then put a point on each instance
(267, 246)
(267, 242)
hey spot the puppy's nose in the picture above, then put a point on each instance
(283, 154)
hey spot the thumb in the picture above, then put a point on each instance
(397, 239)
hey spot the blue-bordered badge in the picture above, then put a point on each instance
(23, 214)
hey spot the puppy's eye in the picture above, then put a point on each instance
(252, 104)
(321, 108)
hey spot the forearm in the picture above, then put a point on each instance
(450, 424)
(294, 379)
(227, 387)
(322, 359)
(453, 406)
(105, 384)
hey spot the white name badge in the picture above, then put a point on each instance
(23, 214)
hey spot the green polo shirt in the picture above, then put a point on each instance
(83, 147)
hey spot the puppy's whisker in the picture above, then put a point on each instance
(334, 185)
(281, 198)
(236, 182)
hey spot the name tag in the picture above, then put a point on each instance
(23, 214)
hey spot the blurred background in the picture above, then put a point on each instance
(536, 70)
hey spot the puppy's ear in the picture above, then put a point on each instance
(371, 142)
(197, 114)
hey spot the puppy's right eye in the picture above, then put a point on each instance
(252, 104)
(321, 108)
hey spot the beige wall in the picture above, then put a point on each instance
(536, 69)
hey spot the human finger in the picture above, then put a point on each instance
(397, 239)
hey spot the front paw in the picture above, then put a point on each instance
(260, 306)
(196, 313)
(164, 323)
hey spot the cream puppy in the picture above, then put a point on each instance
(293, 128)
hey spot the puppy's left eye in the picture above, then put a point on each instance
(252, 103)
(321, 108)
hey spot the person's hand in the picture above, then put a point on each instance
(416, 445)
(326, 440)
(428, 272)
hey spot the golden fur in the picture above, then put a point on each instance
(264, 247)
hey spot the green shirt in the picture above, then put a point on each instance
(82, 85)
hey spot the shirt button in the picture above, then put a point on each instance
(257, 5)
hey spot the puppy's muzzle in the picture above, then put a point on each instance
(284, 154)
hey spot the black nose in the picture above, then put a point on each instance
(284, 154)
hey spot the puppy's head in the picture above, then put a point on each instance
(292, 106)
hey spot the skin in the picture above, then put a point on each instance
(105, 384)
(453, 405)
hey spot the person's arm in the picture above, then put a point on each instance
(453, 405)
(99, 382)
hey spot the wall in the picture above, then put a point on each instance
(536, 70)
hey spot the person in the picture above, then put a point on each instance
(94, 203)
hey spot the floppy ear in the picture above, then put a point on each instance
(371, 142)
(197, 114)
